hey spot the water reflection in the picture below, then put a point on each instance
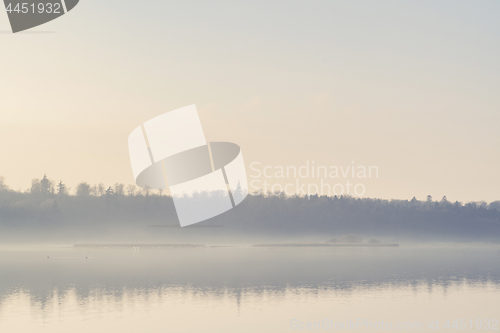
(96, 282)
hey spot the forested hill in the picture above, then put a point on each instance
(47, 206)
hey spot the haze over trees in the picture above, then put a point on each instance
(51, 205)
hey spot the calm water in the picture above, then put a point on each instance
(244, 289)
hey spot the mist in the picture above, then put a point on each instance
(50, 212)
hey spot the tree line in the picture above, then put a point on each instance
(47, 186)
(50, 204)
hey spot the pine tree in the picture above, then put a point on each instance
(46, 185)
(238, 193)
(61, 189)
(238, 190)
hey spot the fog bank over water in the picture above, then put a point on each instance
(51, 287)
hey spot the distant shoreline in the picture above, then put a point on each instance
(326, 245)
(143, 245)
(159, 245)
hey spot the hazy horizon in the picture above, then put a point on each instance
(408, 87)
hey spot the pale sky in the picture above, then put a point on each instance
(409, 86)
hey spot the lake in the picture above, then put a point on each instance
(421, 288)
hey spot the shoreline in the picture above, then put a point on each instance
(326, 245)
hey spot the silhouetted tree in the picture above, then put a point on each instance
(83, 189)
(145, 191)
(495, 205)
(131, 190)
(238, 192)
(46, 185)
(3, 186)
(61, 189)
(109, 191)
(119, 189)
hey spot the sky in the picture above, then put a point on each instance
(410, 87)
